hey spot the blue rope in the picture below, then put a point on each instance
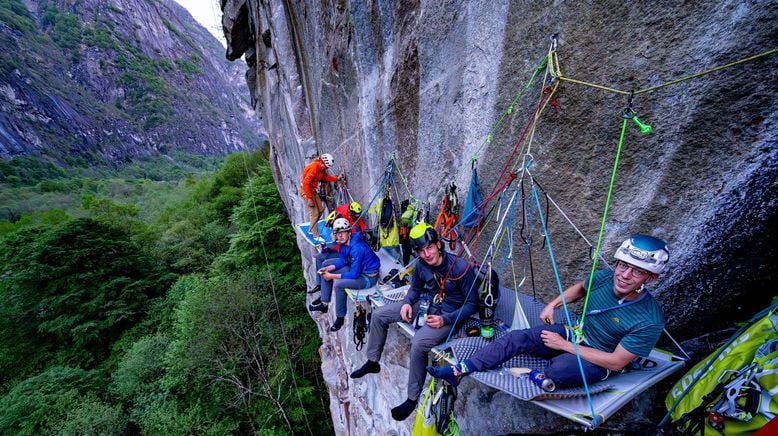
(564, 304)
(488, 252)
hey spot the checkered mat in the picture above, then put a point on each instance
(521, 387)
(390, 296)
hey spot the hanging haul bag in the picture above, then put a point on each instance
(425, 419)
(386, 217)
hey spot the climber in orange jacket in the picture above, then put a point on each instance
(313, 173)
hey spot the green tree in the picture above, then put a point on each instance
(225, 192)
(234, 344)
(265, 235)
(40, 404)
(72, 289)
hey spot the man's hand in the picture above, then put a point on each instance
(547, 314)
(309, 202)
(406, 311)
(328, 276)
(554, 341)
(435, 321)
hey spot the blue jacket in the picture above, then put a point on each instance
(460, 298)
(359, 256)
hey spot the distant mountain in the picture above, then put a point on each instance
(107, 80)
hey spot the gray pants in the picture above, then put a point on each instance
(421, 343)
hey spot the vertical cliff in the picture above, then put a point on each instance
(427, 81)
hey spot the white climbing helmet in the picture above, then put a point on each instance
(646, 252)
(327, 159)
(341, 225)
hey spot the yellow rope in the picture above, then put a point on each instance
(593, 85)
(673, 82)
(558, 72)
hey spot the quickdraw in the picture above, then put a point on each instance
(448, 216)
(361, 324)
(444, 399)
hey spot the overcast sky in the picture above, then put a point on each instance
(208, 13)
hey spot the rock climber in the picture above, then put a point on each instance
(622, 322)
(444, 283)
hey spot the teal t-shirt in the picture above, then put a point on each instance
(635, 326)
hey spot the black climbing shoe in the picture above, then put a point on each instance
(404, 410)
(314, 289)
(320, 307)
(369, 367)
(337, 324)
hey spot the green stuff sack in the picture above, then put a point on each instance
(749, 361)
(424, 425)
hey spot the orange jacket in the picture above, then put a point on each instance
(313, 173)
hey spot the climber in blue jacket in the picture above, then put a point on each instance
(357, 267)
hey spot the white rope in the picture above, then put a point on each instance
(275, 300)
(569, 221)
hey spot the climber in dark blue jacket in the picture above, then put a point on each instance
(357, 267)
(446, 309)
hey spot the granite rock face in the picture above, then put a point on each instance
(101, 80)
(430, 81)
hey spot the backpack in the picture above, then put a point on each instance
(387, 213)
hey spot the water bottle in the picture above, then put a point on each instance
(540, 379)
(421, 316)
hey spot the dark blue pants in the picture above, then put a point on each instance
(562, 369)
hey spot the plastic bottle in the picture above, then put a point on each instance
(421, 316)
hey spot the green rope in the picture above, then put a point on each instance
(402, 177)
(541, 66)
(602, 224)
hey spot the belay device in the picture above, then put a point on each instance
(489, 293)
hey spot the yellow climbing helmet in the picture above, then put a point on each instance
(421, 235)
(330, 219)
(355, 208)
